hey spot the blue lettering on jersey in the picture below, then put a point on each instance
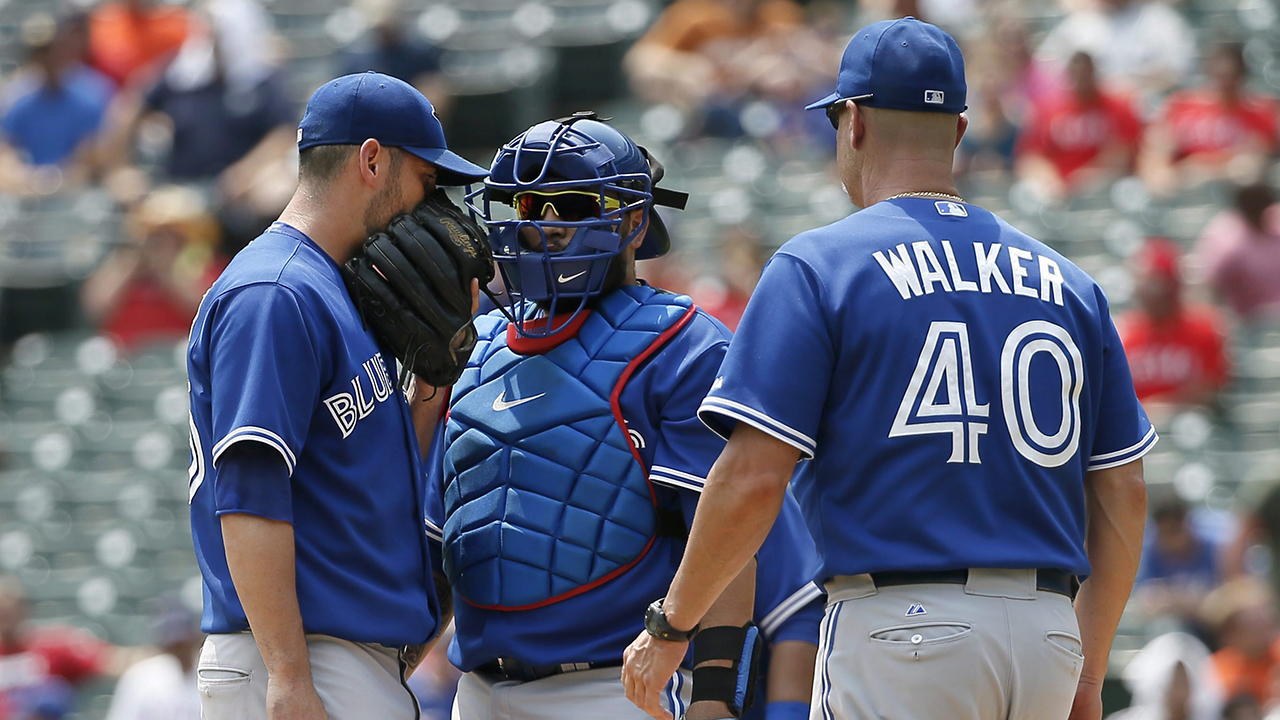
(958, 380)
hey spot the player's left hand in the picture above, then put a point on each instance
(647, 666)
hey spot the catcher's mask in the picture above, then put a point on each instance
(592, 176)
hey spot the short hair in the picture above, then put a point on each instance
(1171, 508)
(1233, 51)
(320, 164)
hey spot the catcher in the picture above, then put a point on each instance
(564, 479)
(305, 482)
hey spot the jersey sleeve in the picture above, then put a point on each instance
(777, 370)
(1123, 433)
(785, 566)
(433, 516)
(686, 449)
(264, 371)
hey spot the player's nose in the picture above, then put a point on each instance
(556, 236)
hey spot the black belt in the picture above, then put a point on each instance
(1055, 581)
(512, 669)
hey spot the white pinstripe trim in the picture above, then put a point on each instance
(433, 532)
(805, 444)
(676, 479)
(1135, 452)
(1131, 448)
(262, 435)
(785, 609)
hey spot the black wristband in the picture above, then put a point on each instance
(656, 624)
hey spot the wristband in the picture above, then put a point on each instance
(786, 710)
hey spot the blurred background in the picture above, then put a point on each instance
(143, 143)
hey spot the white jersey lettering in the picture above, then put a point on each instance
(988, 270)
(900, 271)
(960, 284)
(930, 269)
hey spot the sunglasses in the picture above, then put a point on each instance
(568, 205)
(833, 110)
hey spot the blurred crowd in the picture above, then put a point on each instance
(183, 115)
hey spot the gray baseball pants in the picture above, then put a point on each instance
(588, 694)
(994, 649)
(355, 681)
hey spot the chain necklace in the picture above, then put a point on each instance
(944, 196)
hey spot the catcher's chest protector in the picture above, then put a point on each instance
(545, 495)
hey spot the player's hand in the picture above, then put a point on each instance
(294, 701)
(647, 666)
(1088, 701)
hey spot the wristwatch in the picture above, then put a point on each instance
(655, 623)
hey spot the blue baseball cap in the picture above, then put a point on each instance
(903, 64)
(354, 108)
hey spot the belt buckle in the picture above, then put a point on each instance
(502, 667)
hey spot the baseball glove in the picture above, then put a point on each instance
(412, 286)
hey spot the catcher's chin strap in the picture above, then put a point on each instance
(502, 308)
(734, 685)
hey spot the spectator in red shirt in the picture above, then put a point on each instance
(1085, 137)
(149, 288)
(35, 661)
(1202, 130)
(1175, 349)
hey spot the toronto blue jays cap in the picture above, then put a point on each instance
(903, 64)
(354, 108)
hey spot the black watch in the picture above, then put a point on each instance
(655, 623)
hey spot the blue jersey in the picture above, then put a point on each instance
(788, 605)
(278, 356)
(952, 380)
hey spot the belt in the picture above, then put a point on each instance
(512, 669)
(1054, 581)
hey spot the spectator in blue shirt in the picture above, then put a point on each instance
(52, 113)
(1179, 565)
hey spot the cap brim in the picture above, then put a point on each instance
(453, 169)
(657, 241)
(823, 102)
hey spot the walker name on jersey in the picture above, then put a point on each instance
(349, 408)
(917, 270)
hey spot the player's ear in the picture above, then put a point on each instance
(857, 124)
(961, 125)
(635, 217)
(372, 159)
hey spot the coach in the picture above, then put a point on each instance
(962, 393)
(306, 492)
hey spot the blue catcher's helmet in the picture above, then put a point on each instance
(581, 162)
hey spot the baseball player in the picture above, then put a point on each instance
(964, 399)
(305, 479)
(572, 457)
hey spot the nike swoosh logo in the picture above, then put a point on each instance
(500, 403)
(575, 276)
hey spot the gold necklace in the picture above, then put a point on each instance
(944, 196)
